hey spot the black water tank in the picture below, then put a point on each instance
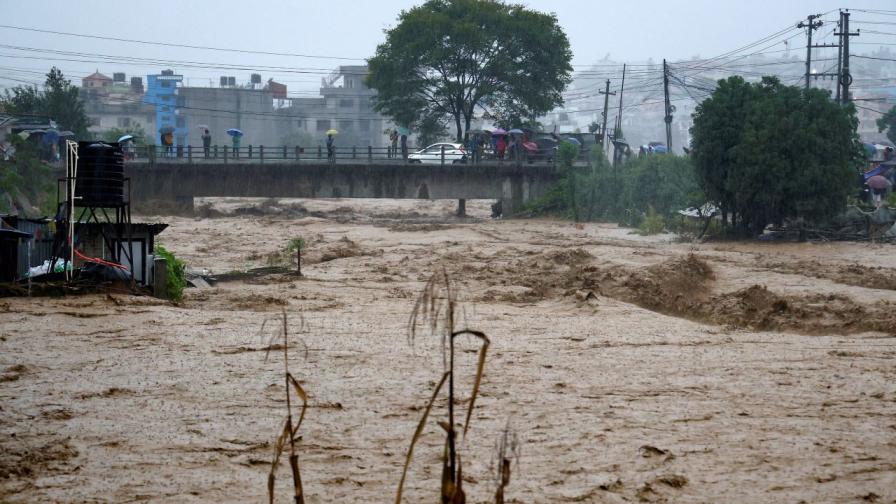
(100, 178)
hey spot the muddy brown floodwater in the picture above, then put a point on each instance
(631, 368)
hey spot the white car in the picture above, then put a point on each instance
(454, 153)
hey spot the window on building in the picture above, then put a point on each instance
(94, 121)
(166, 119)
(300, 123)
(181, 122)
(124, 122)
(165, 83)
(346, 103)
(323, 124)
(346, 125)
(364, 125)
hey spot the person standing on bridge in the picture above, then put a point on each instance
(206, 143)
(168, 143)
(331, 148)
(393, 141)
(235, 141)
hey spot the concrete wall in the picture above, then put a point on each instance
(181, 182)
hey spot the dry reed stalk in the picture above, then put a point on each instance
(508, 447)
(289, 430)
(435, 309)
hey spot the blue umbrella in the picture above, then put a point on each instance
(516, 131)
(125, 138)
(234, 132)
(51, 136)
(660, 149)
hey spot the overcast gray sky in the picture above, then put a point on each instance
(633, 30)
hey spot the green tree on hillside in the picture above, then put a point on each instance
(766, 152)
(58, 100)
(888, 123)
(448, 59)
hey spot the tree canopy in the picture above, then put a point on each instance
(58, 100)
(449, 59)
(888, 123)
(766, 152)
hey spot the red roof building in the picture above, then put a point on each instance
(97, 81)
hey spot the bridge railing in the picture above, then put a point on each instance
(338, 155)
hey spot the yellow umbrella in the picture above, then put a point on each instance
(332, 131)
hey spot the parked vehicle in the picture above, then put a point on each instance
(454, 153)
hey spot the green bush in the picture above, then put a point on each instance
(176, 280)
(651, 224)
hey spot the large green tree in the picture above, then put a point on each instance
(58, 100)
(888, 123)
(451, 59)
(766, 152)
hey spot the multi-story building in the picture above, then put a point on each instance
(162, 95)
(115, 104)
(345, 104)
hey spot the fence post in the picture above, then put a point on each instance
(250, 151)
(284, 152)
(354, 152)
(151, 153)
(190, 153)
(225, 154)
(320, 153)
(443, 155)
(261, 153)
(298, 150)
(216, 151)
(369, 153)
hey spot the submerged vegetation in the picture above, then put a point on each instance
(287, 435)
(435, 310)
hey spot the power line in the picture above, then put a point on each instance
(185, 46)
(869, 108)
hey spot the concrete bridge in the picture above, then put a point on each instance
(179, 182)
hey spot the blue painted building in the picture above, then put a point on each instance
(161, 93)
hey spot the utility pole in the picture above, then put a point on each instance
(621, 91)
(606, 94)
(811, 25)
(839, 56)
(616, 154)
(844, 78)
(668, 118)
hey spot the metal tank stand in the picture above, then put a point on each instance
(89, 197)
